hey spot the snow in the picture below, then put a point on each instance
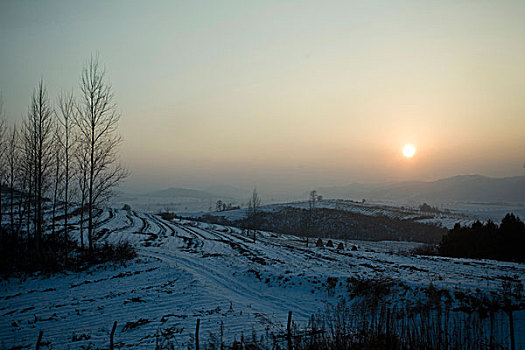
(188, 270)
(452, 213)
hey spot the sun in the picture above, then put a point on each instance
(409, 150)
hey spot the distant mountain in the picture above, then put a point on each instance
(461, 188)
(177, 192)
(229, 191)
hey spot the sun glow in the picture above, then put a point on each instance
(409, 150)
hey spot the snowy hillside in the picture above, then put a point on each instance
(188, 270)
(446, 219)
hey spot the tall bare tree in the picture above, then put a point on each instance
(68, 110)
(26, 171)
(80, 170)
(24, 175)
(12, 160)
(3, 142)
(58, 173)
(97, 121)
(40, 128)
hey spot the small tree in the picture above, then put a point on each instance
(254, 205)
(314, 198)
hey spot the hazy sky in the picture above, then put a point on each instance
(287, 94)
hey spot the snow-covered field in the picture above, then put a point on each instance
(465, 214)
(188, 270)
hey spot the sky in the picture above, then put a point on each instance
(286, 95)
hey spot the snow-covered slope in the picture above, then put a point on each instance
(445, 218)
(188, 270)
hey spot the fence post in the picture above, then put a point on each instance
(312, 338)
(511, 326)
(388, 328)
(111, 344)
(197, 334)
(222, 335)
(491, 342)
(289, 330)
(40, 334)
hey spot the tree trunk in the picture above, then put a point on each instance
(91, 178)
(511, 329)
(55, 194)
(66, 199)
(35, 203)
(28, 205)
(12, 192)
(20, 215)
(1, 202)
(82, 202)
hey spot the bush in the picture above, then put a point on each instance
(369, 288)
(167, 215)
(118, 252)
(425, 249)
(358, 326)
(55, 254)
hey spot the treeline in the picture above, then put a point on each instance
(486, 241)
(64, 150)
(223, 206)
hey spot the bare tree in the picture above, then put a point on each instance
(312, 214)
(26, 172)
(314, 198)
(40, 128)
(97, 121)
(218, 205)
(12, 159)
(254, 205)
(3, 142)
(67, 106)
(23, 174)
(81, 165)
(58, 173)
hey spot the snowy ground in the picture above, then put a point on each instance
(457, 213)
(188, 270)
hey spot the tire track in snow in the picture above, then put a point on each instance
(220, 282)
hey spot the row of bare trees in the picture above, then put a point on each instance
(58, 154)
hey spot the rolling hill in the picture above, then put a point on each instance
(461, 188)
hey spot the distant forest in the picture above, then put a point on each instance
(339, 224)
(486, 241)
